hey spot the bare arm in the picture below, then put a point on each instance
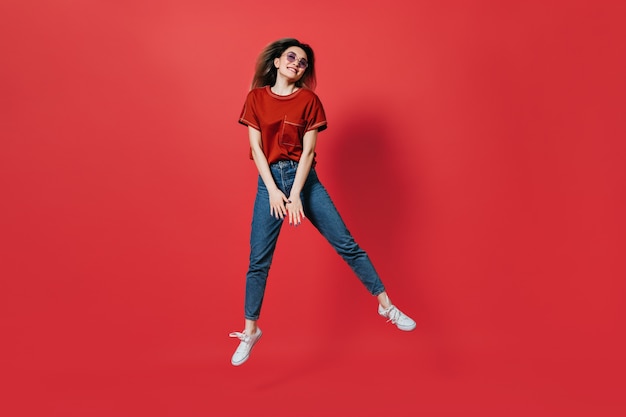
(277, 198)
(295, 209)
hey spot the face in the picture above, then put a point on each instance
(292, 63)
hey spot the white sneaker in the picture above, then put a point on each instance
(247, 343)
(397, 317)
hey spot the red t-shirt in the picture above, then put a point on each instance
(283, 120)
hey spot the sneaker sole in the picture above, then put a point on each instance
(406, 328)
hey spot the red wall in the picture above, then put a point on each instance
(475, 149)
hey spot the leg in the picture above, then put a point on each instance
(263, 237)
(322, 213)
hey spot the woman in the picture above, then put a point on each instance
(284, 116)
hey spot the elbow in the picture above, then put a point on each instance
(307, 153)
(256, 152)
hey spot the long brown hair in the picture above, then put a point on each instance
(265, 71)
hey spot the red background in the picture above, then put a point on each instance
(475, 149)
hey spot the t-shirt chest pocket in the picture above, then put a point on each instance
(291, 132)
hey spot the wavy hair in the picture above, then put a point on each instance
(265, 71)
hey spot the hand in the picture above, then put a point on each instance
(277, 204)
(295, 210)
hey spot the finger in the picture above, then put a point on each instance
(293, 219)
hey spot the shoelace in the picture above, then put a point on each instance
(241, 336)
(393, 314)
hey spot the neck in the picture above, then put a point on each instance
(283, 88)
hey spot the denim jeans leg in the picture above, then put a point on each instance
(263, 237)
(322, 213)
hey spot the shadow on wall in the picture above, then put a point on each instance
(368, 172)
(364, 167)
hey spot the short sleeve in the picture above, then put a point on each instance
(316, 117)
(248, 115)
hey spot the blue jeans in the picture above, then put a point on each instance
(321, 212)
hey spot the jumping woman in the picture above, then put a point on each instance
(284, 115)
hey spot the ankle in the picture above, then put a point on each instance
(250, 327)
(384, 301)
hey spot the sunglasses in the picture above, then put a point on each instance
(292, 57)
